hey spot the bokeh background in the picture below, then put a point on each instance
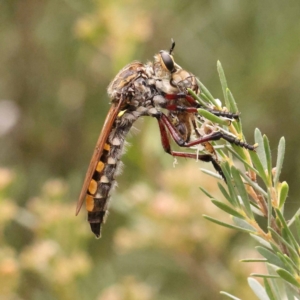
(56, 60)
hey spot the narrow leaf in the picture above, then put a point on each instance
(289, 265)
(225, 194)
(279, 162)
(297, 223)
(268, 156)
(206, 92)
(215, 119)
(254, 185)
(233, 106)
(258, 289)
(242, 191)
(206, 193)
(264, 275)
(227, 173)
(243, 224)
(227, 209)
(270, 211)
(291, 293)
(295, 219)
(269, 290)
(288, 231)
(259, 166)
(270, 256)
(211, 173)
(287, 276)
(197, 98)
(283, 192)
(223, 83)
(254, 260)
(241, 159)
(274, 282)
(229, 295)
(228, 225)
(260, 149)
(261, 241)
(285, 242)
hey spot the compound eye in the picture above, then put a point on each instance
(167, 61)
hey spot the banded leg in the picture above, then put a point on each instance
(179, 141)
(210, 137)
(195, 106)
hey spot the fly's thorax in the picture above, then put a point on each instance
(183, 80)
(124, 79)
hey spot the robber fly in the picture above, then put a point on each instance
(142, 90)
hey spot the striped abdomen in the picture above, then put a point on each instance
(103, 178)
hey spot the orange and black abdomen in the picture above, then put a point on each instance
(103, 179)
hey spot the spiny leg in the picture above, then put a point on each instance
(195, 106)
(179, 141)
(210, 137)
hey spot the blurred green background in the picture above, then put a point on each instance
(56, 60)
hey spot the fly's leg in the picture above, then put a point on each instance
(215, 136)
(195, 106)
(188, 98)
(179, 141)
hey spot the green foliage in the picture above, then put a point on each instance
(57, 59)
(249, 199)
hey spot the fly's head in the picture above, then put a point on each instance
(170, 77)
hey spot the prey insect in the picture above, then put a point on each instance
(145, 90)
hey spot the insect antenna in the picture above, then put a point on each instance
(172, 46)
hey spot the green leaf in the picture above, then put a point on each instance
(254, 185)
(287, 276)
(241, 159)
(229, 295)
(260, 149)
(207, 94)
(243, 224)
(288, 231)
(268, 157)
(233, 106)
(291, 293)
(263, 260)
(227, 173)
(228, 225)
(206, 193)
(269, 290)
(275, 235)
(197, 98)
(270, 256)
(258, 289)
(279, 162)
(211, 173)
(283, 192)
(274, 282)
(259, 166)
(215, 119)
(264, 275)
(270, 211)
(289, 265)
(261, 241)
(295, 219)
(223, 83)
(225, 194)
(227, 209)
(242, 191)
